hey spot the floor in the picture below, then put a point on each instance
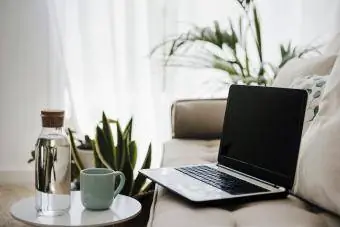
(8, 195)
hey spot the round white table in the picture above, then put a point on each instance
(122, 209)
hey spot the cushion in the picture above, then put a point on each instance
(169, 210)
(314, 85)
(318, 172)
(333, 47)
(198, 118)
(300, 67)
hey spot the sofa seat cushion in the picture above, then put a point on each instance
(169, 209)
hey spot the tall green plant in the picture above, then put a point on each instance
(228, 49)
(119, 153)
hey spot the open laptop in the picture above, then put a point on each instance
(258, 149)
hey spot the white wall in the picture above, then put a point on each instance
(23, 82)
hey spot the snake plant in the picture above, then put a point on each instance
(117, 152)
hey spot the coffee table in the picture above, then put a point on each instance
(122, 209)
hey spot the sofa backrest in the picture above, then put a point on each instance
(198, 118)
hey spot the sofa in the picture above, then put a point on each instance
(196, 128)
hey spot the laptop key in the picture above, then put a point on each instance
(220, 180)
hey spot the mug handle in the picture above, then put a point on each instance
(121, 183)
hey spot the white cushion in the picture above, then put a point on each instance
(318, 173)
(314, 85)
(333, 47)
(302, 67)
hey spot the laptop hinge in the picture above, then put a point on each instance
(248, 176)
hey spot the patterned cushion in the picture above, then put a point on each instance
(318, 172)
(314, 84)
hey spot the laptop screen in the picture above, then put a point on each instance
(262, 132)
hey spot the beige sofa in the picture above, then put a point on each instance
(196, 126)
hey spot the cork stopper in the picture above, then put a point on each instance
(52, 118)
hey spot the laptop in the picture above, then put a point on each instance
(258, 151)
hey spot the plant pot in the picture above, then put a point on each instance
(86, 157)
(142, 219)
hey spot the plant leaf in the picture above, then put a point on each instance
(258, 34)
(102, 149)
(97, 162)
(128, 172)
(128, 130)
(218, 34)
(110, 142)
(141, 179)
(74, 151)
(149, 186)
(224, 65)
(133, 154)
(121, 148)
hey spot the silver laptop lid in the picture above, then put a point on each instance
(262, 132)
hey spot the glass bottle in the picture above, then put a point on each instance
(52, 166)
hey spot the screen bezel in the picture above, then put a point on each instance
(274, 178)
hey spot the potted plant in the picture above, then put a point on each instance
(120, 153)
(85, 151)
(228, 49)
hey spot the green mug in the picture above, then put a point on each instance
(97, 187)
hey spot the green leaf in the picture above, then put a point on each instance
(102, 148)
(111, 121)
(128, 172)
(149, 186)
(120, 148)
(97, 162)
(174, 46)
(218, 34)
(225, 66)
(247, 62)
(141, 179)
(160, 45)
(74, 151)
(233, 36)
(133, 154)
(240, 28)
(110, 142)
(128, 130)
(258, 34)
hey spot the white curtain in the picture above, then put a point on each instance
(100, 62)
(99, 57)
(91, 55)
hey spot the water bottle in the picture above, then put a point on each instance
(52, 166)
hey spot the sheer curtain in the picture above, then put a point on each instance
(100, 62)
(92, 55)
(99, 56)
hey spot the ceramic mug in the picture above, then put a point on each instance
(98, 187)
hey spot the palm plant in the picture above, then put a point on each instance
(228, 49)
(118, 153)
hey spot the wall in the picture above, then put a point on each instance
(23, 83)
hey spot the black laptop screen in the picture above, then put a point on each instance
(262, 132)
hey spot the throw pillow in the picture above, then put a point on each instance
(302, 67)
(318, 172)
(314, 85)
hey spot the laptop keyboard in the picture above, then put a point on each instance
(221, 180)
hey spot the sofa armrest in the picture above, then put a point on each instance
(198, 118)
